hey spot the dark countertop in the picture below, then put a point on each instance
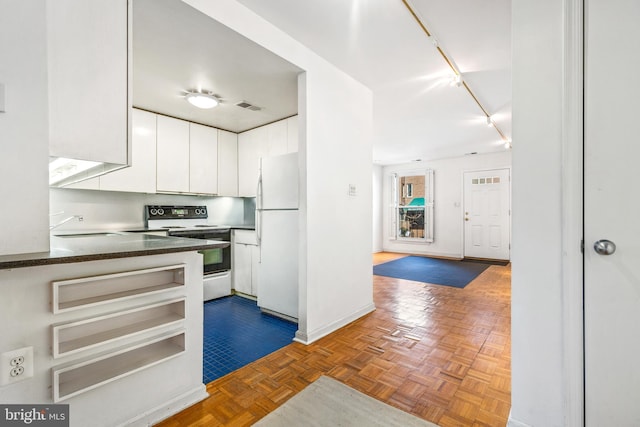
(148, 229)
(97, 246)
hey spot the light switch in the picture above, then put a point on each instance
(2, 110)
(352, 190)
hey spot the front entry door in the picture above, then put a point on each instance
(612, 207)
(486, 214)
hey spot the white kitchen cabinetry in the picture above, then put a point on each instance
(250, 148)
(172, 155)
(276, 143)
(88, 79)
(270, 140)
(245, 262)
(203, 159)
(227, 163)
(292, 134)
(140, 177)
(187, 157)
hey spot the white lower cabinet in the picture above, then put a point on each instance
(245, 262)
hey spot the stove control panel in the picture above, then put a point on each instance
(175, 212)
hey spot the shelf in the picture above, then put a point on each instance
(81, 335)
(86, 292)
(79, 378)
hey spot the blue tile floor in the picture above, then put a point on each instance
(236, 333)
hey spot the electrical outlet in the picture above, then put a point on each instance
(16, 365)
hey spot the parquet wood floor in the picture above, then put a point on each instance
(438, 352)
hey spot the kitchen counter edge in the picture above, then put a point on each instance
(93, 248)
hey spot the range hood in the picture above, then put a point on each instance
(64, 171)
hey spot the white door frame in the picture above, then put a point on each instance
(572, 214)
(462, 236)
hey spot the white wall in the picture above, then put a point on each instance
(335, 150)
(377, 208)
(537, 287)
(24, 149)
(448, 200)
(111, 210)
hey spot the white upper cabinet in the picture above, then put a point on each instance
(89, 79)
(187, 157)
(203, 159)
(140, 177)
(292, 134)
(276, 143)
(172, 155)
(227, 163)
(270, 140)
(250, 147)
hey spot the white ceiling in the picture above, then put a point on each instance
(417, 114)
(177, 48)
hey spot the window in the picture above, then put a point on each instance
(413, 206)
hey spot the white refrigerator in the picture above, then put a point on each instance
(277, 234)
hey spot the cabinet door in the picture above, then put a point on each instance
(250, 147)
(140, 177)
(227, 163)
(242, 268)
(89, 76)
(276, 141)
(203, 159)
(292, 134)
(172, 155)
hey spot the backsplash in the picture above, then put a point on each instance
(111, 210)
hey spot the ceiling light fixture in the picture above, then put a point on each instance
(456, 80)
(453, 67)
(202, 100)
(507, 145)
(490, 122)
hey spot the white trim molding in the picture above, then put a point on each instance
(312, 336)
(572, 213)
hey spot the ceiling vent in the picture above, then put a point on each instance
(248, 106)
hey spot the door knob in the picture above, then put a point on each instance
(604, 247)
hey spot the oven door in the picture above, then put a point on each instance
(214, 260)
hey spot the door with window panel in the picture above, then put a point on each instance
(486, 214)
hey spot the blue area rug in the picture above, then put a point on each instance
(237, 333)
(431, 270)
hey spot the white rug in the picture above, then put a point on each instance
(327, 402)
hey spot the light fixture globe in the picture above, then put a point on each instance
(202, 100)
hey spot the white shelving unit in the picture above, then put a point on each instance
(81, 377)
(87, 292)
(70, 338)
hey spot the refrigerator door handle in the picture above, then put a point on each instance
(259, 193)
(259, 233)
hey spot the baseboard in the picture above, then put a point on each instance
(169, 408)
(312, 336)
(443, 255)
(515, 423)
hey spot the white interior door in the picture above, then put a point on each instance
(486, 214)
(612, 282)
